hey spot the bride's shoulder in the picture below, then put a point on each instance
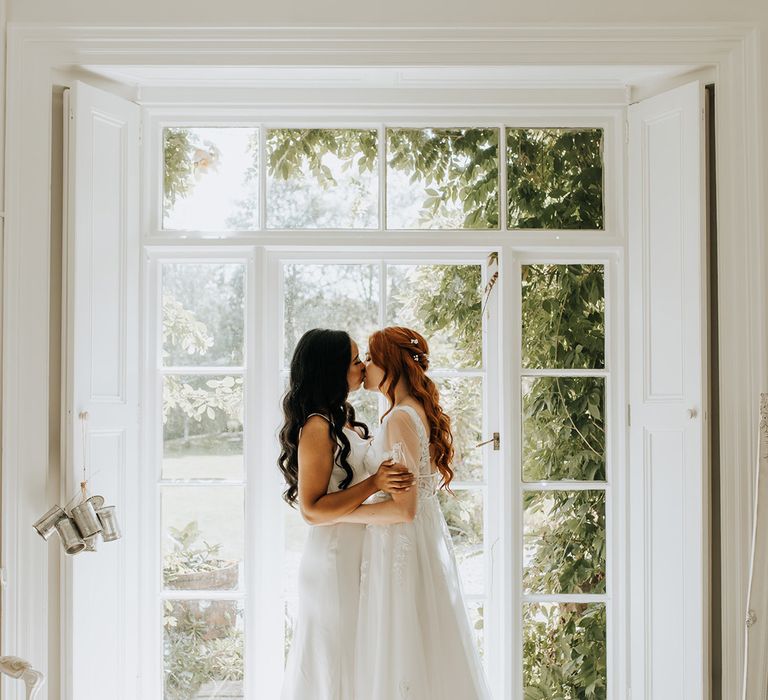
(407, 416)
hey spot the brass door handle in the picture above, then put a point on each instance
(496, 440)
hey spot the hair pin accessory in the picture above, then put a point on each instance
(414, 341)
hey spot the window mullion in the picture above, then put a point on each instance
(383, 292)
(502, 160)
(262, 177)
(564, 598)
(239, 594)
(191, 369)
(564, 486)
(525, 372)
(202, 482)
(382, 166)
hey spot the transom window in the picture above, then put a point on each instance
(240, 178)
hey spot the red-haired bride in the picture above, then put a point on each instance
(413, 636)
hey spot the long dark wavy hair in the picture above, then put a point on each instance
(317, 384)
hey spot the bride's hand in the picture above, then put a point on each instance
(393, 478)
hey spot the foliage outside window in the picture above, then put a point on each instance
(436, 178)
(555, 178)
(563, 429)
(322, 178)
(442, 178)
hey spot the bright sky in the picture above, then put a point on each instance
(217, 192)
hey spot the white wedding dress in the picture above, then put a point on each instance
(413, 636)
(321, 660)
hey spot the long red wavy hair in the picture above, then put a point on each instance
(404, 353)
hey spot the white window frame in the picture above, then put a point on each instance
(269, 246)
(152, 447)
(616, 497)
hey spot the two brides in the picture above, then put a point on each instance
(381, 615)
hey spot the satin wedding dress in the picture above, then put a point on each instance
(321, 660)
(413, 636)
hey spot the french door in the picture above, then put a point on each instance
(446, 296)
(523, 348)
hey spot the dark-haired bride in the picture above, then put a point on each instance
(321, 458)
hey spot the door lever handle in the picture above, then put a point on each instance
(496, 440)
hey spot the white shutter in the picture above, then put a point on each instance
(101, 354)
(668, 465)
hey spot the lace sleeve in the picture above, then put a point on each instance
(402, 434)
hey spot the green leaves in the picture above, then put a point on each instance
(178, 172)
(445, 300)
(563, 428)
(563, 316)
(457, 171)
(203, 644)
(289, 151)
(322, 178)
(564, 651)
(555, 178)
(564, 539)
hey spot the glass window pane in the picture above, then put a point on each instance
(210, 178)
(442, 178)
(322, 178)
(564, 651)
(203, 314)
(463, 513)
(563, 428)
(444, 303)
(563, 316)
(203, 649)
(203, 533)
(564, 542)
(202, 427)
(555, 178)
(344, 297)
(462, 399)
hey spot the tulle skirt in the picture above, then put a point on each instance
(414, 640)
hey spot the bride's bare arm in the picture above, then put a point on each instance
(316, 450)
(384, 513)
